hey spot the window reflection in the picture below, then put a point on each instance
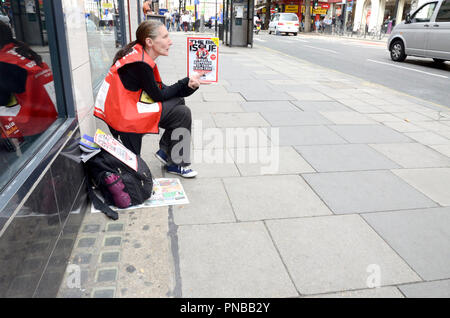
(103, 30)
(27, 93)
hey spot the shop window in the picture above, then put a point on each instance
(104, 37)
(29, 112)
(444, 12)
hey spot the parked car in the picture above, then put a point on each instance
(4, 17)
(424, 33)
(284, 23)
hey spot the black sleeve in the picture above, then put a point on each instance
(136, 76)
(13, 79)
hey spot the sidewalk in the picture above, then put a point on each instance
(312, 183)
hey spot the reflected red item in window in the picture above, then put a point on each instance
(34, 110)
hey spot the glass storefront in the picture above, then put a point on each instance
(28, 105)
(104, 35)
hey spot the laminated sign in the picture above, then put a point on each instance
(203, 57)
(115, 148)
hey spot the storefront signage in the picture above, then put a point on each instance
(107, 5)
(325, 6)
(317, 11)
(291, 8)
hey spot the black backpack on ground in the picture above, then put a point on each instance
(138, 184)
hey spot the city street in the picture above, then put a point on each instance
(337, 186)
(369, 60)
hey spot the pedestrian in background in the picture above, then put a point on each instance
(133, 101)
(146, 8)
(185, 21)
(177, 20)
(191, 21)
(167, 17)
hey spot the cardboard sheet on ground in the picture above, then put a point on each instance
(203, 57)
(166, 192)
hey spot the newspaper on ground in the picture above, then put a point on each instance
(203, 57)
(115, 148)
(165, 192)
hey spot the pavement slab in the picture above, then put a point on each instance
(369, 134)
(296, 118)
(273, 160)
(436, 289)
(443, 149)
(213, 163)
(320, 106)
(328, 158)
(265, 95)
(336, 253)
(347, 118)
(428, 138)
(421, 237)
(307, 135)
(380, 292)
(433, 182)
(309, 96)
(231, 260)
(412, 155)
(215, 107)
(382, 118)
(258, 198)
(217, 209)
(238, 137)
(366, 191)
(272, 106)
(239, 120)
(403, 126)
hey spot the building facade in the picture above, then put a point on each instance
(368, 14)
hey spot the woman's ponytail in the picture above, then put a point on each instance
(147, 29)
(127, 49)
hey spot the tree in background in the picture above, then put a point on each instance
(307, 23)
(267, 19)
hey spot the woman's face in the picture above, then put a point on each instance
(161, 44)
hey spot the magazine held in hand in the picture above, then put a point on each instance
(203, 57)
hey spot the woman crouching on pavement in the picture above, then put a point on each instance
(133, 101)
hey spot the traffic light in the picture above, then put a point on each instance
(316, 4)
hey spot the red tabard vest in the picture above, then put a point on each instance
(124, 110)
(34, 110)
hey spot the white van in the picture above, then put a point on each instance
(284, 22)
(425, 33)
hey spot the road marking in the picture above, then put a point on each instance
(407, 68)
(319, 48)
(256, 39)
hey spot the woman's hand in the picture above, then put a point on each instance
(194, 80)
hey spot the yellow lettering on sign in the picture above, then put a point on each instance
(291, 8)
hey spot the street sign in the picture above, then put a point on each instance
(291, 8)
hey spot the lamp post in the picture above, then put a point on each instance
(215, 23)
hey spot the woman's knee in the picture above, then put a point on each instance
(184, 113)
